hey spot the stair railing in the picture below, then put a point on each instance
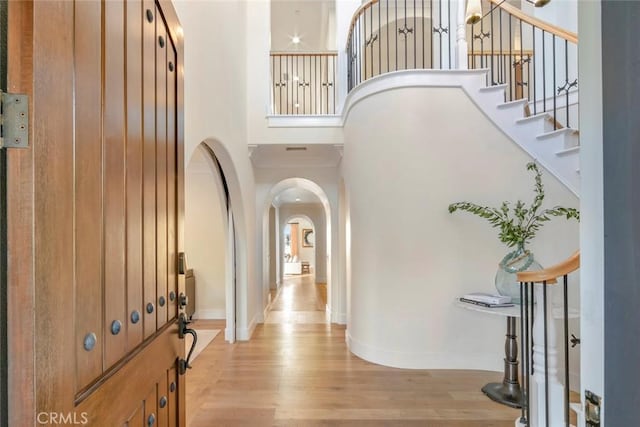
(303, 83)
(536, 61)
(391, 35)
(538, 337)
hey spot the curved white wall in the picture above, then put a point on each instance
(409, 153)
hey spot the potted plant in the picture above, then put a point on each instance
(518, 225)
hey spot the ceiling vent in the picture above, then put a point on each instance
(296, 148)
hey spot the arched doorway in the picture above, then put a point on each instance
(215, 249)
(303, 199)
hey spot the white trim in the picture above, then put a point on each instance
(244, 334)
(211, 314)
(304, 121)
(430, 360)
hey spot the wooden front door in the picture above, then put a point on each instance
(95, 215)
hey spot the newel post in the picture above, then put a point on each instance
(461, 37)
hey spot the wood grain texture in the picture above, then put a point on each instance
(161, 169)
(53, 208)
(20, 232)
(134, 22)
(88, 191)
(172, 182)
(297, 373)
(149, 163)
(112, 403)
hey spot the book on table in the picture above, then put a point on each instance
(486, 304)
(487, 298)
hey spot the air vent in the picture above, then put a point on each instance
(296, 148)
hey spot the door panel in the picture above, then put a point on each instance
(114, 184)
(134, 173)
(161, 168)
(88, 194)
(149, 163)
(106, 191)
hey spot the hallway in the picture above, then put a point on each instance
(297, 371)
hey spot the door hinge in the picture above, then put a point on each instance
(14, 120)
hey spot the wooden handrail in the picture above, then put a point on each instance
(550, 274)
(550, 28)
(545, 26)
(357, 14)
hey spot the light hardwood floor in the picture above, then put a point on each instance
(297, 371)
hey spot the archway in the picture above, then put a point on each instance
(323, 254)
(231, 254)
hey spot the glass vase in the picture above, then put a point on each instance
(513, 263)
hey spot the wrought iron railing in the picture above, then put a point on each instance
(392, 35)
(538, 338)
(303, 83)
(535, 60)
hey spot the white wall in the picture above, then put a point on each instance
(273, 254)
(410, 258)
(215, 75)
(562, 13)
(205, 236)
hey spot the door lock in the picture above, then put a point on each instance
(183, 300)
(182, 331)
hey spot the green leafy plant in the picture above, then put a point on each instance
(518, 224)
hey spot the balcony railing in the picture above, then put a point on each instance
(303, 83)
(535, 60)
(391, 35)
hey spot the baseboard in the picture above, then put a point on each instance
(211, 314)
(244, 334)
(429, 360)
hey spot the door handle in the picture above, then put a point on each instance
(182, 331)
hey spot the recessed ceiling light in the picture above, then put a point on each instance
(297, 199)
(295, 39)
(297, 105)
(296, 78)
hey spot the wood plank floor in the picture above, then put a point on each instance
(297, 371)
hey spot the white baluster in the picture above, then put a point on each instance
(556, 389)
(461, 38)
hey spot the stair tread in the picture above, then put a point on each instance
(513, 103)
(553, 133)
(539, 116)
(493, 88)
(568, 151)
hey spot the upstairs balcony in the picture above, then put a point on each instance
(532, 60)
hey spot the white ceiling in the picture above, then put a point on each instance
(311, 20)
(296, 196)
(277, 156)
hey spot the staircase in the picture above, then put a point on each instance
(557, 150)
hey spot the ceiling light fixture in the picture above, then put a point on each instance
(297, 199)
(296, 39)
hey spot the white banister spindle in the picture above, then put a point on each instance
(461, 37)
(555, 387)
